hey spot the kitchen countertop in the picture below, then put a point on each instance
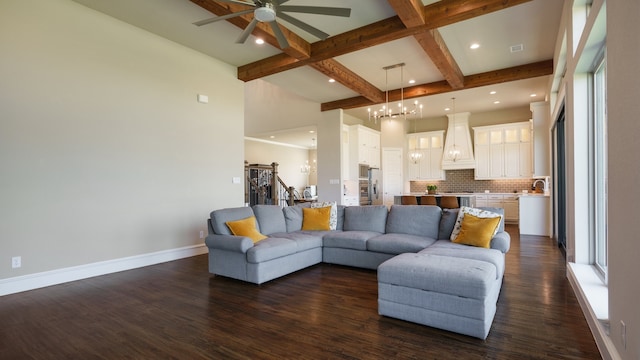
(532, 195)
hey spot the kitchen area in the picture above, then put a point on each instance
(504, 165)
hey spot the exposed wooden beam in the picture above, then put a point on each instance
(412, 14)
(348, 78)
(515, 73)
(373, 34)
(298, 47)
(432, 43)
(441, 13)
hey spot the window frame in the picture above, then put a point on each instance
(598, 241)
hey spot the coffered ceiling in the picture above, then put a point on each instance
(431, 37)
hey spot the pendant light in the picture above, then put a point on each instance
(414, 154)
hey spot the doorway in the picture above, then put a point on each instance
(391, 174)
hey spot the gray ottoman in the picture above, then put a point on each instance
(449, 293)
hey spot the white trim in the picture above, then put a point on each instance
(59, 276)
(592, 292)
(277, 143)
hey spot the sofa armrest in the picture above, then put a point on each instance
(228, 242)
(501, 241)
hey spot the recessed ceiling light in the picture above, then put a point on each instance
(446, 109)
(533, 95)
(332, 80)
(272, 137)
(412, 81)
(259, 41)
(311, 131)
(493, 92)
(474, 46)
(496, 102)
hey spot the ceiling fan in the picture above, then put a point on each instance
(267, 11)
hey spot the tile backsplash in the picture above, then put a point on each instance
(463, 181)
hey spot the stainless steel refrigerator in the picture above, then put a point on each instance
(375, 187)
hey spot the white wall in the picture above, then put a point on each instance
(271, 108)
(623, 89)
(104, 151)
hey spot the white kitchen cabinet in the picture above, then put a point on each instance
(481, 200)
(430, 146)
(505, 201)
(365, 144)
(511, 208)
(503, 151)
(348, 200)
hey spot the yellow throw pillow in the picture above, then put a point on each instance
(316, 218)
(246, 227)
(477, 231)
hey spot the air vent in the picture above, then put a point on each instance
(516, 48)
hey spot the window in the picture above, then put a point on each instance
(598, 168)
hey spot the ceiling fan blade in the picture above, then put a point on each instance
(282, 40)
(247, 31)
(304, 26)
(223, 17)
(248, 2)
(318, 10)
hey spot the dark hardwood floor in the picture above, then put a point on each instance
(178, 310)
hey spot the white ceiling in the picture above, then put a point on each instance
(534, 25)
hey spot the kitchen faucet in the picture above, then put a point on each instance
(545, 185)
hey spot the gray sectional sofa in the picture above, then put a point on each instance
(423, 277)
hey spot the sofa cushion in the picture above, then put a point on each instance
(365, 218)
(348, 239)
(419, 220)
(477, 231)
(447, 222)
(271, 248)
(496, 210)
(441, 274)
(398, 243)
(305, 240)
(293, 216)
(447, 248)
(270, 218)
(220, 217)
(316, 218)
(340, 223)
(482, 213)
(333, 214)
(246, 227)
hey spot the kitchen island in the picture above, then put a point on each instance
(535, 215)
(464, 199)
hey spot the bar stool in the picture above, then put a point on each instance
(428, 200)
(449, 202)
(408, 200)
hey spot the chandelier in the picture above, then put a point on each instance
(385, 111)
(414, 154)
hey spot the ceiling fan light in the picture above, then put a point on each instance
(265, 13)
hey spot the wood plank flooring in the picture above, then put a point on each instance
(178, 310)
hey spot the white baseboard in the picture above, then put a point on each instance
(59, 276)
(582, 279)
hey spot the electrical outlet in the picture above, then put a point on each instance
(16, 262)
(201, 234)
(623, 334)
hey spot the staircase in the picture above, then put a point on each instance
(263, 186)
